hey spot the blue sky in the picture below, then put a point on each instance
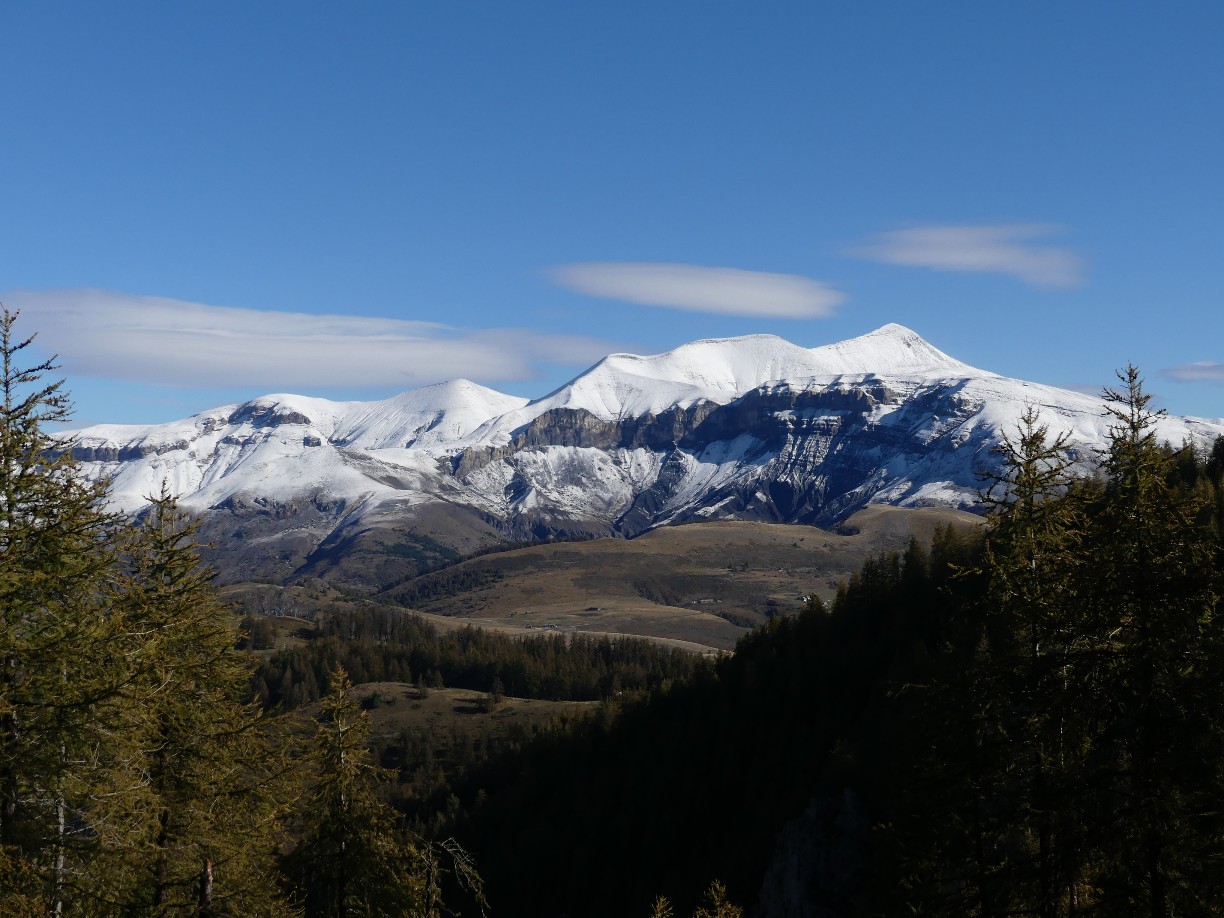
(202, 203)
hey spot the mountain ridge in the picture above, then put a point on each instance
(753, 427)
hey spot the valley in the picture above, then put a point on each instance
(699, 586)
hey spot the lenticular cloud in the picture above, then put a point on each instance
(1199, 371)
(156, 339)
(693, 288)
(1003, 249)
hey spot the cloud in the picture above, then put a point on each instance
(1083, 388)
(1003, 249)
(1199, 371)
(173, 342)
(693, 288)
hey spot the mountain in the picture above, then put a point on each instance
(750, 428)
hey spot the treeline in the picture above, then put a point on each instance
(433, 586)
(1025, 722)
(387, 645)
(427, 551)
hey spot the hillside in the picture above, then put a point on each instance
(702, 583)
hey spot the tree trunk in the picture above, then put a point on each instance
(57, 895)
(205, 909)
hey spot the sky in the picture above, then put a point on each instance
(202, 203)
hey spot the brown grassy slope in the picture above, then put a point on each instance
(701, 584)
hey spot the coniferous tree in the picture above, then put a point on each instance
(212, 795)
(1153, 676)
(1030, 632)
(945, 832)
(133, 778)
(349, 859)
(716, 904)
(61, 666)
(1078, 728)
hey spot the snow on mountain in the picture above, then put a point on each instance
(891, 350)
(264, 444)
(425, 419)
(721, 370)
(751, 427)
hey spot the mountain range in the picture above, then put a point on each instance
(748, 428)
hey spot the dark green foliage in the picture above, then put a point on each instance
(134, 778)
(1215, 461)
(443, 585)
(428, 763)
(451, 558)
(424, 549)
(258, 632)
(61, 651)
(742, 621)
(352, 853)
(392, 646)
(979, 813)
(1156, 759)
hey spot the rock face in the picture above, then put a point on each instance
(741, 428)
(819, 865)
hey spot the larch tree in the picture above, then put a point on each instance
(134, 777)
(349, 859)
(215, 785)
(61, 662)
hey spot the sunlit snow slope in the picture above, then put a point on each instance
(752, 427)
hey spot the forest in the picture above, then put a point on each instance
(387, 645)
(1023, 722)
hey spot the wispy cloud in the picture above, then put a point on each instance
(1199, 371)
(1001, 249)
(1083, 388)
(693, 288)
(173, 342)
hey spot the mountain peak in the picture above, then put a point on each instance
(891, 349)
(710, 369)
(723, 369)
(894, 330)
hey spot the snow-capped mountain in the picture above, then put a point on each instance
(746, 428)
